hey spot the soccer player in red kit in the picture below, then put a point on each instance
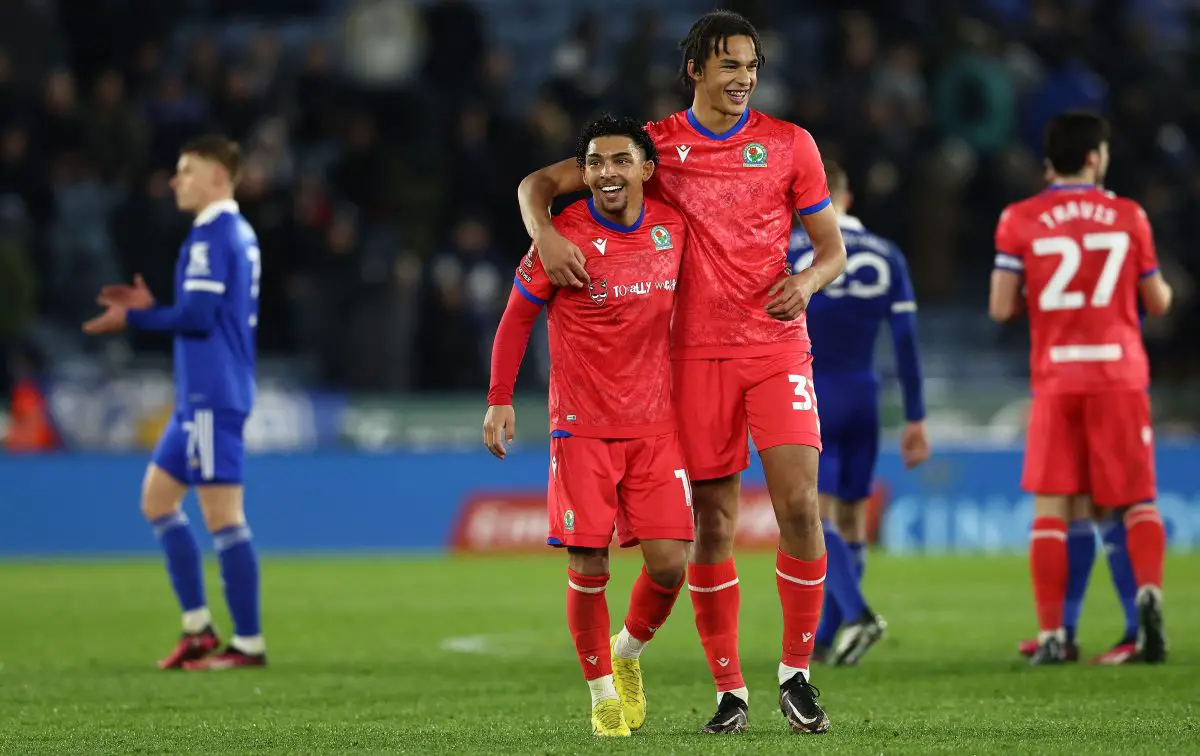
(615, 458)
(1084, 257)
(740, 347)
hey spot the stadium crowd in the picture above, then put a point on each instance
(385, 141)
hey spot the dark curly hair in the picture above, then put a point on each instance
(711, 34)
(607, 125)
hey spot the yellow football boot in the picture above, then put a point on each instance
(627, 677)
(608, 719)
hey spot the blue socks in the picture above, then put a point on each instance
(1112, 532)
(1081, 554)
(831, 613)
(831, 618)
(858, 550)
(841, 578)
(239, 573)
(184, 564)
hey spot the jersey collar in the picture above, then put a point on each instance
(611, 226)
(1069, 187)
(210, 213)
(741, 123)
(850, 223)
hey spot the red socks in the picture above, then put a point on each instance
(1048, 565)
(801, 584)
(649, 606)
(587, 617)
(1146, 542)
(716, 600)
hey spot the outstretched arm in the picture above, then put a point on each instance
(195, 312)
(563, 261)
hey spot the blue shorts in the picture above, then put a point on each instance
(205, 448)
(849, 435)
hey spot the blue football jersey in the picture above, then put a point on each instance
(844, 317)
(215, 314)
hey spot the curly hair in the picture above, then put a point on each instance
(607, 125)
(710, 34)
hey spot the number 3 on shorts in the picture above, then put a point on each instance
(687, 486)
(805, 399)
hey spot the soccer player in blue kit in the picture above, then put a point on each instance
(214, 318)
(844, 321)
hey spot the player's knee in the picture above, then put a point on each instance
(221, 506)
(848, 519)
(161, 494)
(587, 561)
(157, 508)
(799, 512)
(666, 566)
(715, 504)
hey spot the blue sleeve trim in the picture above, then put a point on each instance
(815, 208)
(527, 293)
(560, 434)
(1147, 274)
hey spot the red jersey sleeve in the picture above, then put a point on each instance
(1143, 237)
(1008, 248)
(810, 188)
(531, 291)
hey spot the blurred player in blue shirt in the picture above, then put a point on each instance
(844, 320)
(214, 318)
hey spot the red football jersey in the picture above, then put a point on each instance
(1082, 252)
(738, 191)
(610, 344)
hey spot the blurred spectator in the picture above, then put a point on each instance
(384, 140)
(465, 295)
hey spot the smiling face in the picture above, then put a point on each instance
(614, 168)
(728, 76)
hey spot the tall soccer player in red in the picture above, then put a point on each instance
(615, 458)
(740, 347)
(1084, 257)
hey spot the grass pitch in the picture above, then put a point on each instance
(439, 655)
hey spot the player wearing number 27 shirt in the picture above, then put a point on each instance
(1085, 256)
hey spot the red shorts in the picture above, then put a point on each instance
(1097, 444)
(638, 486)
(717, 401)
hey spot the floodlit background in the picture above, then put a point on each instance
(384, 142)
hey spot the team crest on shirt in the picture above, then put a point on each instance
(661, 238)
(198, 260)
(754, 155)
(599, 291)
(569, 520)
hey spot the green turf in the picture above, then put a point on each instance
(360, 663)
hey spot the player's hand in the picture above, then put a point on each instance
(790, 296)
(563, 261)
(112, 320)
(914, 444)
(136, 297)
(499, 427)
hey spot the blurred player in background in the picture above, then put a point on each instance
(1084, 258)
(213, 319)
(1086, 519)
(615, 458)
(740, 347)
(846, 316)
